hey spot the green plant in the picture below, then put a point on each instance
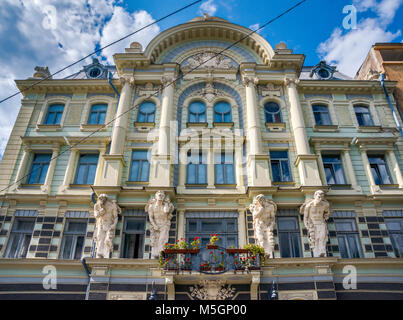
(183, 244)
(162, 261)
(256, 250)
(171, 245)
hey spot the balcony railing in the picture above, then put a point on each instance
(210, 260)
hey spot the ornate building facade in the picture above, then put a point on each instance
(213, 126)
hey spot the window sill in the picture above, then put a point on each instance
(275, 126)
(196, 186)
(340, 186)
(31, 186)
(92, 127)
(196, 124)
(144, 126)
(332, 128)
(48, 127)
(225, 186)
(80, 186)
(136, 183)
(388, 186)
(369, 128)
(223, 124)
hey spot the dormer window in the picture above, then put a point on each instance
(323, 73)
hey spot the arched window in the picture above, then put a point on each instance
(197, 112)
(97, 114)
(222, 112)
(54, 114)
(146, 112)
(321, 114)
(272, 112)
(363, 115)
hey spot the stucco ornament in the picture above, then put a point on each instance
(263, 212)
(208, 60)
(106, 214)
(159, 210)
(316, 212)
(212, 290)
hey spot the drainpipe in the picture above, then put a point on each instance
(117, 104)
(88, 276)
(382, 79)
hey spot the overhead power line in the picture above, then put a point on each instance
(166, 85)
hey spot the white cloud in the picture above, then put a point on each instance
(123, 23)
(56, 33)
(208, 7)
(348, 49)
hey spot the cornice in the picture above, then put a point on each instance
(345, 86)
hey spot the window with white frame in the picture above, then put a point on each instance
(20, 238)
(379, 169)
(222, 112)
(54, 114)
(73, 239)
(348, 238)
(140, 166)
(197, 112)
(333, 166)
(272, 112)
(289, 237)
(280, 167)
(146, 112)
(196, 168)
(86, 168)
(39, 168)
(224, 168)
(363, 115)
(321, 114)
(97, 113)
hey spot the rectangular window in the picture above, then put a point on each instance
(280, 167)
(86, 169)
(54, 114)
(73, 239)
(225, 228)
(39, 168)
(133, 237)
(97, 114)
(333, 169)
(321, 115)
(196, 169)
(289, 237)
(140, 166)
(224, 168)
(380, 170)
(395, 228)
(20, 238)
(348, 237)
(363, 116)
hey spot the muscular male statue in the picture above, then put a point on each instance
(106, 214)
(263, 211)
(159, 210)
(316, 211)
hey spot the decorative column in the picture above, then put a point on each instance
(395, 167)
(257, 161)
(69, 170)
(181, 224)
(306, 162)
(22, 169)
(114, 161)
(52, 165)
(210, 169)
(163, 160)
(242, 228)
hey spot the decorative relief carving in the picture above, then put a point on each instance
(212, 290)
(209, 92)
(246, 81)
(159, 210)
(291, 81)
(316, 212)
(128, 80)
(270, 90)
(148, 89)
(106, 214)
(208, 60)
(263, 212)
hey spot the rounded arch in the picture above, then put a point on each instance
(109, 101)
(208, 29)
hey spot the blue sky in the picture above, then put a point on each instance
(57, 32)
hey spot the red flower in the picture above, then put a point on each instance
(187, 259)
(211, 252)
(222, 252)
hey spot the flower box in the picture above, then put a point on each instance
(254, 268)
(219, 268)
(212, 246)
(205, 268)
(176, 251)
(237, 250)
